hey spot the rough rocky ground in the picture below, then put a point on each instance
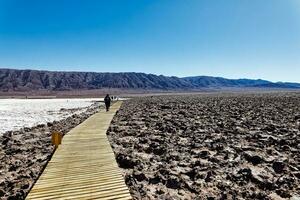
(25, 153)
(218, 146)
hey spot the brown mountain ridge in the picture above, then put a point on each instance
(33, 80)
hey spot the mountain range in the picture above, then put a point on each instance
(33, 80)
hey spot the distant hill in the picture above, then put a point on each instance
(218, 82)
(32, 80)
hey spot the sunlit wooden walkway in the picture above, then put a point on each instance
(83, 166)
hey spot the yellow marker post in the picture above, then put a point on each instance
(56, 138)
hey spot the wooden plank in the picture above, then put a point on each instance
(83, 166)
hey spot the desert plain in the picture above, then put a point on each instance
(210, 146)
(188, 146)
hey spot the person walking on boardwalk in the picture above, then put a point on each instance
(107, 101)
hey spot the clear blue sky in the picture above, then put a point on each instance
(228, 38)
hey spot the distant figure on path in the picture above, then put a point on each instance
(107, 101)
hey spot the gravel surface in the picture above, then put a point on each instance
(25, 153)
(218, 146)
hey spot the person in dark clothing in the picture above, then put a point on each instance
(107, 101)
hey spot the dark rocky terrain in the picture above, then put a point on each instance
(12, 80)
(25, 153)
(217, 146)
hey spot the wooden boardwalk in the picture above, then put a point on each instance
(83, 166)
